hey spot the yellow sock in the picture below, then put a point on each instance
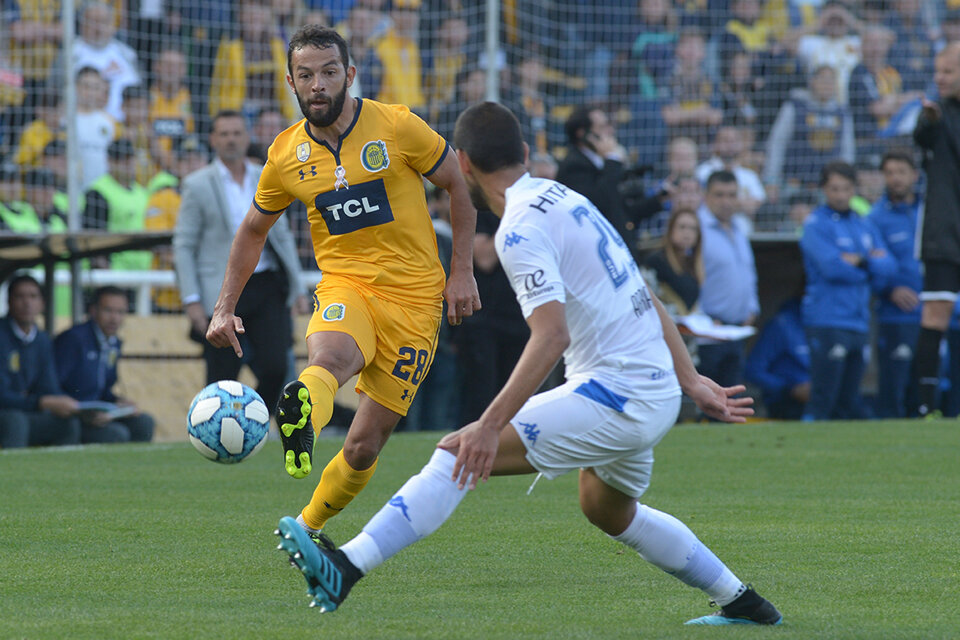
(339, 484)
(323, 387)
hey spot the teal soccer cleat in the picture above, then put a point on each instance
(329, 573)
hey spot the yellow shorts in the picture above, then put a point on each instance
(397, 342)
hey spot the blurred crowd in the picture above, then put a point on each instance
(692, 124)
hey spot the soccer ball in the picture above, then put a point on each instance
(228, 421)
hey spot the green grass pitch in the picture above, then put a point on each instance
(851, 529)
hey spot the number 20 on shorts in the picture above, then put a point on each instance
(410, 356)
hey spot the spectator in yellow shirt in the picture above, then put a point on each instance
(47, 127)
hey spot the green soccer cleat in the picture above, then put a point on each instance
(296, 432)
(329, 573)
(749, 608)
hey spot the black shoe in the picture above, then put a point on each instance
(296, 432)
(329, 573)
(748, 608)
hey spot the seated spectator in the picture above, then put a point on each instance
(653, 49)
(55, 160)
(779, 364)
(728, 150)
(250, 72)
(812, 128)
(842, 255)
(32, 210)
(363, 28)
(949, 29)
(45, 128)
(95, 127)
(138, 130)
(678, 265)
(912, 50)
(117, 202)
(876, 90)
(679, 184)
(171, 114)
(86, 357)
(739, 91)
(11, 189)
(531, 104)
(447, 58)
(98, 47)
(836, 45)
(161, 214)
(399, 53)
(33, 409)
(692, 108)
(471, 88)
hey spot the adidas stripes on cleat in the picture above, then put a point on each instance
(748, 608)
(296, 432)
(329, 573)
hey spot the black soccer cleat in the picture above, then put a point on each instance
(329, 573)
(748, 608)
(296, 431)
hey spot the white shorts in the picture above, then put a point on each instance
(564, 429)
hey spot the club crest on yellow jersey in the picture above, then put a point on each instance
(303, 151)
(334, 312)
(374, 156)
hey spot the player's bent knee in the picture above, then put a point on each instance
(361, 454)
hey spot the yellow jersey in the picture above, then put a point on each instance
(365, 199)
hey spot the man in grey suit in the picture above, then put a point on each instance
(215, 200)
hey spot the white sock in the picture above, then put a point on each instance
(665, 542)
(414, 512)
(306, 527)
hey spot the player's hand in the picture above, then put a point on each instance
(718, 402)
(223, 331)
(905, 298)
(462, 296)
(930, 110)
(476, 448)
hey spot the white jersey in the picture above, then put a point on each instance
(554, 244)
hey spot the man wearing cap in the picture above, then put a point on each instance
(116, 202)
(36, 212)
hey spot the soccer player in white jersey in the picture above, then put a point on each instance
(584, 299)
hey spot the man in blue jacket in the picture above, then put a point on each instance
(33, 409)
(842, 255)
(898, 296)
(87, 357)
(780, 363)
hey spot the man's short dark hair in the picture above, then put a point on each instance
(135, 92)
(578, 123)
(314, 35)
(722, 176)
(838, 168)
(107, 290)
(898, 155)
(21, 279)
(226, 113)
(490, 135)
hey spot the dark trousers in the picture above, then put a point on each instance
(896, 387)
(723, 362)
(36, 428)
(267, 339)
(138, 428)
(486, 358)
(836, 370)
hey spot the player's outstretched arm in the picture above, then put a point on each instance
(461, 292)
(476, 443)
(715, 401)
(244, 255)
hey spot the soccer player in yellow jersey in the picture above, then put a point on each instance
(358, 166)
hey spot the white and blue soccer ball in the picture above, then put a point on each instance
(228, 421)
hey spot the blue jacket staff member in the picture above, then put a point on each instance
(33, 409)
(898, 297)
(842, 255)
(86, 357)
